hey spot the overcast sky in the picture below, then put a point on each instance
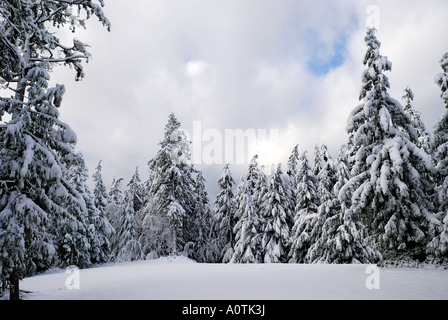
(287, 65)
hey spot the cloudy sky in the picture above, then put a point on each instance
(288, 65)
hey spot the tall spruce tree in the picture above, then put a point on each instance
(389, 195)
(172, 188)
(36, 144)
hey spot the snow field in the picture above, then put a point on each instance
(178, 278)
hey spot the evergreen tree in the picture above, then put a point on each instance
(389, 195)
(321, 225)
(202, 220)
(35, 144)
(136, 189)
(247, 186)
(277, 214)
(306, 211)
(128, 247)
(439, 244)
(224, 217)
(114, 211)
(99, 190)
(172, 189)
(248, 246)
(293, 163)
(75, 232)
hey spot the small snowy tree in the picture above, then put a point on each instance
(99, 190)
(128, 248)
(322, 225)
(224, 216)
(293, 163)
(306, 211)
(276, 214)
(248, 246)
(201, 222)
(247, 185)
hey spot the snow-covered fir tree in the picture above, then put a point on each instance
(248, 240)
(321, 225)
(99, 190)
(247, 185)
(439, 244)
(35, 143)
(389, 195)
(114, 209)
(293, 163)
(276, 216)
(202, 221)
(337, 234)
(306, 210)
(127, 244)
(172, 189)
(224, 217)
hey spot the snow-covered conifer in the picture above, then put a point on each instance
(127, 245)
(201, 221)
(36, 144)
(172, 188)
(277, 214)
(224, 217)
(99, 190)
(306, 211)
(389, 195)
(439, 244)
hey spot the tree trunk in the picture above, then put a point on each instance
(14, 285)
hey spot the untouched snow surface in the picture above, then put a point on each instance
(178, 278)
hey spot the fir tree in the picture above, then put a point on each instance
(439, 244)
(293, 163)
(114, 210)
(36, 143)
(306, 211)
(172, 189)
(389, 195)
(248, 246)
(128, 247)
(247, 186)
(202, 220)
(99, 190)
(224, 217)
(276, 214)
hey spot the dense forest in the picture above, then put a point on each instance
(383, 199)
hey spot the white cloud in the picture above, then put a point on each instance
(240, 64)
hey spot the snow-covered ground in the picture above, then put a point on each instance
(178, 278)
